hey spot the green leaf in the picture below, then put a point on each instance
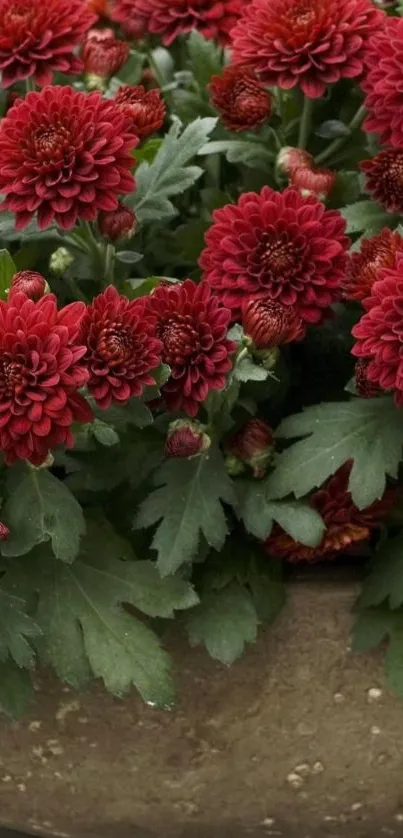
(16, 630)
(386, 580)
(249, 152)
(331, 129)
(206, 58)
(371, 628)
(86, 631)
(188, 502)
(247, 370)
(169, 174)
(224, 621)
(40, 508)
(134, 412)
(369, 432)
(148, 151)
(268, 591)
(7, 271)
(103, 433)
(366, 215)
(258, 514)
(16, 689)
(128, 257)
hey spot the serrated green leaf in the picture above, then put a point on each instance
(371, 628)
(251, 153)
(366, 215)
(87, 632)
(16, 689)
(40, 508)
(258, 514)
(369, 432)
(385, 582)
(104, 433)
(16, 630)
(188, 502)
(135, 412)
(7, 271)
(268, 592)
(224, 621)
(169, 174)
(206, 58)
(247, 370)
(148, 151)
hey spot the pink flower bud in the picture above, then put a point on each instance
(32, 284)
(186, 439)
(289, 159)
(117, 224)
(103, 54)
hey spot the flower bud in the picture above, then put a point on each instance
(312, 181)
(240, 99)
(269, 323)
(103, 55)
(60, 260)
(253, 444)
(117, 224)
(32, 284)
(365, 388)
(289, 159)
(186, 439)
(145, 108)
(4, 532)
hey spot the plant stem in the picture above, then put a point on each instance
(29, 85)
(305, 123)
(334, 146)
(109, 263)
(78, 294)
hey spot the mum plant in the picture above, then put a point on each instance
(201, 326)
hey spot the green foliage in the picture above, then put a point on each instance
(7, 271)
(206, 58)
(188, 502)
(369, 432)
(17, 630)
(366, 215)
(169, 174)
(16, 689)
(224, 621)
(41, 507)
(251, 152)
(372, 627)
(258, 514)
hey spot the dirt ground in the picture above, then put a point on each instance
(299, 739)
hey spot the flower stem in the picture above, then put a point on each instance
(109, 264)
(29, 85)
(334, 146)
(305, 123)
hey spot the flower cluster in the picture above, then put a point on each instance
(171, 18)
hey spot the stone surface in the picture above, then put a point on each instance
(283, 743)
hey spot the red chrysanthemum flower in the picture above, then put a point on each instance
(32, 284)
(38, 39)
(121, 347)
(345, 524)
(252, 444)
(117, 224)
(276, 246)
(41, 370)
(240, 99)
(379, 333)
(171, 18)
(186, 439)
(364, 265)
(103, 54)
(192, 326)
(312, 44)
(384, 178)
(365, 388)
(64, 155)
(383, 81)
(270, 323)
(144, 109)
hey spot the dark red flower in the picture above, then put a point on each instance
(252, 444)
(345, 524)
(144, 109)
(365, 388)
(103, 54)
(186, 439)
(379, 333)
(276, 246)
(64, 155)
(32, 284)
(122, 348)
(310, 45)
(383, 81)
(171, 18)
(192, 326)
(364, 265)
(240, 99)
(38, 39)
(117, 224)
(41, 370)
(384, 178)
(4, 532)
(270, 323)
(313, 181)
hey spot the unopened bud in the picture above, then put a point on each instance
(312, 181)
(253, 444)
(234, 466)
(117, 224)
(103, 56)
(269, 323)
(32, 284)
(289, 159)
(60, 261)
(186, 439)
